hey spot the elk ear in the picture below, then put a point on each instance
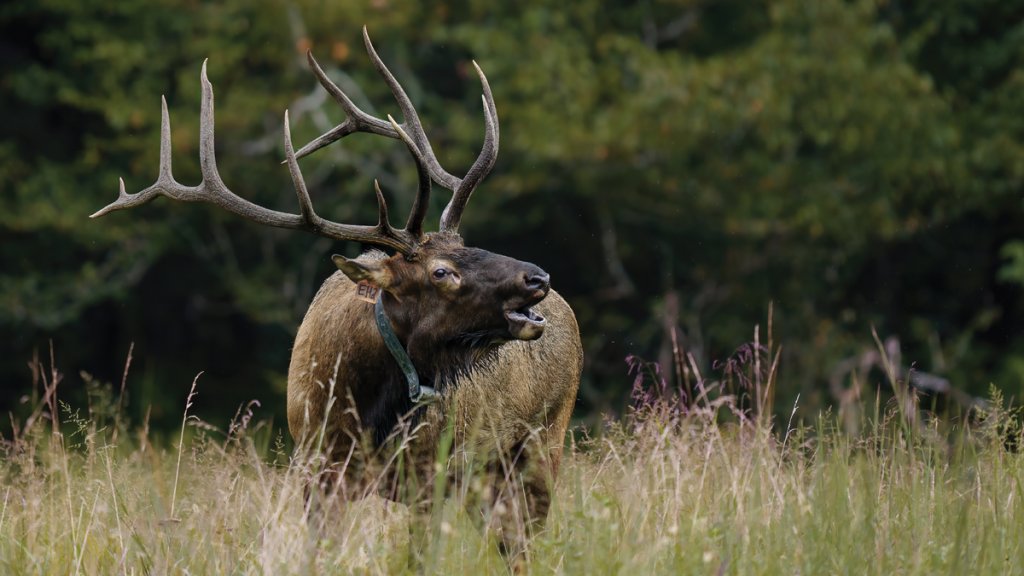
(374, 272)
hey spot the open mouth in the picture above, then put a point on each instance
(524, 323)
(525, 314)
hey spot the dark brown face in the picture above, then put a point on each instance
(451, 294)
(485, 293)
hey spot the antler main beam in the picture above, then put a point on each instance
(213, 190)
(360, 121)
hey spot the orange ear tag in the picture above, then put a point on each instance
(366, 291)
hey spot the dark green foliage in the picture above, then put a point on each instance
(671, 163)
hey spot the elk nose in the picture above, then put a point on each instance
(537, 281)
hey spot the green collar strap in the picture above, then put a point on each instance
(417, 393)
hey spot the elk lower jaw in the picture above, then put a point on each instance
(525, 324)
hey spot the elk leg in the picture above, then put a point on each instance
(516, 498)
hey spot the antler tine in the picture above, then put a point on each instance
(489, 107)
(213, 190)
(412, 122)
(383, 222)
(165, 141)
(305, 204)
(452, 215)
(165, 180)
(359, 121)
(356, 121)
(419, 206)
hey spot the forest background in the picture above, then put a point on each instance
(678, 166)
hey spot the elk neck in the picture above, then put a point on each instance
(417, 392)
(438, 364)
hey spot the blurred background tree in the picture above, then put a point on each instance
(677, 165)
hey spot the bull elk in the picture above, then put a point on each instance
(499, 350)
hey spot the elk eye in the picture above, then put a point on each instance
(440, 273)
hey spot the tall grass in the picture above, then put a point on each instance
(679, 486)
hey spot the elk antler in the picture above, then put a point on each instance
(213, 190)
(359, 121)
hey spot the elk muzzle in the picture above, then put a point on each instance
(524, 323)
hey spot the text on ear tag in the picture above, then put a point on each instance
(366, 291)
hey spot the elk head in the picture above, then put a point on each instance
(455, 293)
(442, 297)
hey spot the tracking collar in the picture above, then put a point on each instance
(417, 393)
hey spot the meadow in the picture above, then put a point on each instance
(675, 486)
